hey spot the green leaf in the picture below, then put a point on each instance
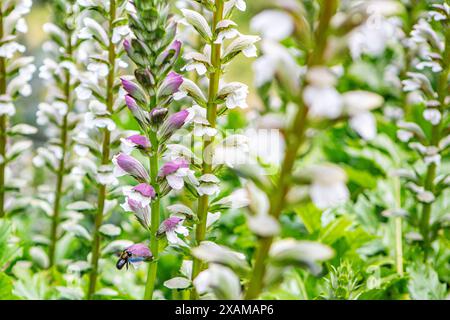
(424, 283)
(6, 287)
(335, 230)
(310, 216)
(7, 251)
(360, 177)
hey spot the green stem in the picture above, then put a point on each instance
(58, 195)
(436, 133)
(294, 139)
(155, 205)
(62, 162)
(3, 126)
(106, 151)
(277, 202)
(211, 114)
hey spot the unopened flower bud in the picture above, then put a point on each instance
(137, 112)
(157, 116)
(134, 90)
(144, 77)
(125, 164)
(170, 85)
(170, 55)
(173, 123)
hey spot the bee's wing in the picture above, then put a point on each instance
(134, 264)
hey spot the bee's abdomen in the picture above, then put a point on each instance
(121, 263)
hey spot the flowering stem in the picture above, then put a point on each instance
(436, 133)
(277, 201)
(3, 124)
(211, 114)
(62, 165)
(106, 148)
(155, 205)
(294, 139)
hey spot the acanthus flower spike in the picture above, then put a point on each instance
(16, 71)
(209, 60)
(105, 42)
(61, 71)
(155, 52)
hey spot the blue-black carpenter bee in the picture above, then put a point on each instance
(133, 254)
(124, 259)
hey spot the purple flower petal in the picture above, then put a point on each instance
(127, 45)
(133, 90)
(131, 103)
(169, 225)
(137, 112)
(176, 46)
(172, 222)
(146, 190)
(140, 250)
(132, 166)
(171, 84)
(140, 140)
(142, 213)
(178, 119)
(172, 166)
(173, 123)
(170, 55)
(129, 86)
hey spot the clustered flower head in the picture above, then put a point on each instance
(426, 88)
(148, 96)
(60, 69)
(219, 43)
(16, 72)
(61, 117)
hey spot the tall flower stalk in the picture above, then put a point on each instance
(412, 9)
(15, 73)
(312, 90)
(60, 71)
(294, 139)
(221, 96)
(100, 87)
(154, 52)
(437, 131)
(211, 115)
(2, 125)
(431, 35)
